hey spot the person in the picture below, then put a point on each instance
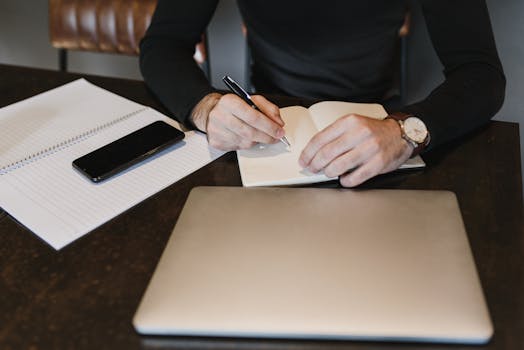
(331, 50)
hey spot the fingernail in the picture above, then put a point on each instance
(280, 133)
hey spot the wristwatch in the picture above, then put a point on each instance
(413, 130)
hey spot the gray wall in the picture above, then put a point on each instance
(24, 41)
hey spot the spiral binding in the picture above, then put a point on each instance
(64, 144)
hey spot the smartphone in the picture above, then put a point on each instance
(119, 155)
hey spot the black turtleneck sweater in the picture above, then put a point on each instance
(335, 50)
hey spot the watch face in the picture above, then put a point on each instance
(415, 129)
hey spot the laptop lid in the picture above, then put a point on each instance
(320, 264)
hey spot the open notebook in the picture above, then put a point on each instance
(276, 164)
(41, 136)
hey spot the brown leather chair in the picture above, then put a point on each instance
(111, 26)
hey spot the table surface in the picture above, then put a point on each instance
(85, 295)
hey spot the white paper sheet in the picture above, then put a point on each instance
(51, 198)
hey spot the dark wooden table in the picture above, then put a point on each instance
(84, 296)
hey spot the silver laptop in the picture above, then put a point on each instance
(319, 264)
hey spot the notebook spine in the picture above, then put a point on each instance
(64, 144)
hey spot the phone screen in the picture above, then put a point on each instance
(119, 155)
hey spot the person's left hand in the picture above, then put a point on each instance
(364, 145)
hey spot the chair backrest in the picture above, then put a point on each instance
(113, 26)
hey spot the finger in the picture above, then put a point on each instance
(246, 132)
(327, 135)
(222, 138)
(268, 108)
(254, 118)
(364, 172)
(350, 160)
(328, 154)
(346, 143)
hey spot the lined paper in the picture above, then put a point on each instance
(60, 205)
(57, 116)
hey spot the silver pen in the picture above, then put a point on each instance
(240, 92)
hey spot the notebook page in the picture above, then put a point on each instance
(55, 116)
(276, 164)
(60, 205)
(326, 112)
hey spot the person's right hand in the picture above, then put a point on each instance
(231, 123)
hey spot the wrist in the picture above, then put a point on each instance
(200, 113)
(408, 148)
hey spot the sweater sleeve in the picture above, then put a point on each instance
(166, 54)
(474, 85)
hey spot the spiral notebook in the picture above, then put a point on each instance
(41, 136)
